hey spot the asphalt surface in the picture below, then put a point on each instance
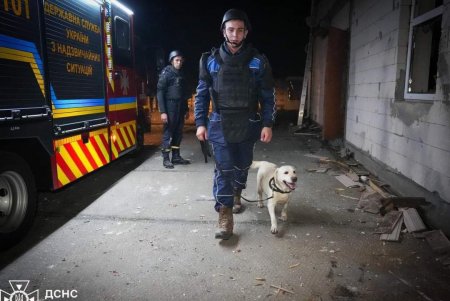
(137, 231)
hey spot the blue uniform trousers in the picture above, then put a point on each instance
(232, 160)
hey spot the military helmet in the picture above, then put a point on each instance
(235, 14)
(173, 54)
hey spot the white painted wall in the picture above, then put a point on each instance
(411, 138)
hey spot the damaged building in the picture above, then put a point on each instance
(377, 79)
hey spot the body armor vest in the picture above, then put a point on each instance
(234, 94)
(235, 87)
(175, 89)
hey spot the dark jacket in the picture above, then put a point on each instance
(171, 87)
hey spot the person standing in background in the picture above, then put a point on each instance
(172, 97)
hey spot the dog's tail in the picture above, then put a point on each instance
(256, 164)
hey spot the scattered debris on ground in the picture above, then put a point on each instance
(398, 214)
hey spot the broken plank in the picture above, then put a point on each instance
(353, 176)
(347, 182)
(402, 201)
(412, 220)
(395, 235)
(389, 222)
(375, 187)
(315, 156)
(335, 162)
(360, 171)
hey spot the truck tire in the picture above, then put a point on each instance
(18, 199)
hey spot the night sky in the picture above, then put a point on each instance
(279, 29)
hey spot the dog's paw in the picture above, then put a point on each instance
(260, 205)
(274, 230)
(283, 218)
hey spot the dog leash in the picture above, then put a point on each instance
(254, 201)
(273, 187)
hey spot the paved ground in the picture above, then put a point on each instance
(137, 231)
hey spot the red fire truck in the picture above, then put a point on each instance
(68, 101)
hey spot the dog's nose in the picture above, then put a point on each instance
(294, 179)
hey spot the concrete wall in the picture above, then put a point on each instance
(412, 139)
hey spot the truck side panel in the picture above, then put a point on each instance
(25, 115)
(75, 63)
(73, 34)
(21, 62)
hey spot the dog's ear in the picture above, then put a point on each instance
(275, 172)
(276, 175)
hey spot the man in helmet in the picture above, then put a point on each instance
(172, 102)
(239, 81)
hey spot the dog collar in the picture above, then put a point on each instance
(274, 187)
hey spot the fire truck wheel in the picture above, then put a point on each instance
(18, 199)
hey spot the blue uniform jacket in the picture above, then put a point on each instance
(263, 75)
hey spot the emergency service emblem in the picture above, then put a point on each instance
(19, 287)
(124, 82)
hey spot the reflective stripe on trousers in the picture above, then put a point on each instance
(233, 161)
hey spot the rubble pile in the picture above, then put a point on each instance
(398, 214)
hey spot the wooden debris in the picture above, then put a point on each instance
(370, 202)
(347, 182)
(318, 170)
(260, 279)
(345, 166)
(282, 289)
(412, 220)
(392, 202)
(380, 183)
(375, 187)
(353, 176)
(389, 222)
(360, 171)
(437, 241)
(406, 202)
(315, 156)
(294, 265)
(348, 197)
(395, 235)
(351, 162)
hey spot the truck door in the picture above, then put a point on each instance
(122, 101)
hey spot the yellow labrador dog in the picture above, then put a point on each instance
(276, 183)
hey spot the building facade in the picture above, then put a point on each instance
(380, 80)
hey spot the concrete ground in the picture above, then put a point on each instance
(137, 231)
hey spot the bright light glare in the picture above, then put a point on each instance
(123, 7)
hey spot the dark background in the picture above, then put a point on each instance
(278, 30)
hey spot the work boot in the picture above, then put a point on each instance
(225, 230)
(166, 160)
(177, 159)
(237, 205)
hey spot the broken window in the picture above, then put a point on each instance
(423, 49)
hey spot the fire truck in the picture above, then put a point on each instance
(68, 99)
